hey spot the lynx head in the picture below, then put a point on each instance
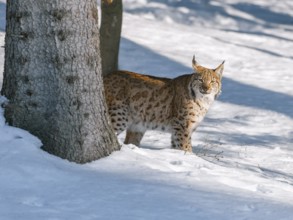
(206, 81)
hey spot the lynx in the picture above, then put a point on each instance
(139, 102)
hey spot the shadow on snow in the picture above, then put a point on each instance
(233, 92)
(264, 13)
(211, 9)
(2, 16)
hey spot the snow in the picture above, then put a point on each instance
(242, 166)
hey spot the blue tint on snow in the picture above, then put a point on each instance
(264, 13)
(233, 91)
(2, 16)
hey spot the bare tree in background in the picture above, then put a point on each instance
(52, 77)
(110, 34)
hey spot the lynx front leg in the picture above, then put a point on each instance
(181, 140)
(133, 137)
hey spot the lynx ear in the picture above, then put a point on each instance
(195, 64)
(220, 68)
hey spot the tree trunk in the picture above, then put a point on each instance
(52, 77)
(110, 34)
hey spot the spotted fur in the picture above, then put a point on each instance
(137, 103)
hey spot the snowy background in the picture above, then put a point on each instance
(243, 162)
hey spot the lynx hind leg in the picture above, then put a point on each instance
(181, 141)
(133, 137)
(119, 118)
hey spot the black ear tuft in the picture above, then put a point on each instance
(194, 64)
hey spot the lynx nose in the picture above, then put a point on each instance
(205, 89)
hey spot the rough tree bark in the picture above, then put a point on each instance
(52, 77)
(110, 31)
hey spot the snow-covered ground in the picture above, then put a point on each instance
(243, 162)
